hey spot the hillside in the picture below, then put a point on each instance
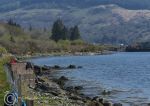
(16, 40)
(100, 21)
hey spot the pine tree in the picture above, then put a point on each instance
(65, 34)
(75, 33)
(58, 31)
(12, 23)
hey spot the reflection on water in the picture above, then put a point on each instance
(126, 75)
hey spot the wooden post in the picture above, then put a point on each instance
(19, 85)
(19, 101)
(29, 102)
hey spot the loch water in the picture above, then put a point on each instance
(126, 75)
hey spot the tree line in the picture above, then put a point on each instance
(61, 32)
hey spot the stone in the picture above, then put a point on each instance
(117, 104)
(78, 88)
(106, 92)
(63, 78)
(71, 67)
(95, 103)
(56, 67)
(107, 104)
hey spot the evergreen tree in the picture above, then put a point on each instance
(61, 32)
(12, 23)
(65, 34)
(58, 31)
(75, 33)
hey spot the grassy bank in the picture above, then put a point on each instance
(4, 85)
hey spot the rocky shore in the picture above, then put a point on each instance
(58, 94)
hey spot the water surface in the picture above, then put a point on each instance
(127, 75)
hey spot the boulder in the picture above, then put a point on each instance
(107, 104)
(106, 92)
(56, 67)
(80, 67)
(95, 103)
(63, 78)
(71, 67)
(78, 88)
(117, 104)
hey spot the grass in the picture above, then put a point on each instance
(4, 85)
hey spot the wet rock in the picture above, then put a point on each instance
(107, 104)
(101, 100)
(46, 67)
(106, 92)
(95, 98)
(63, 78)
(80, 67)
(75, 97)
(117, 104)
(40, 80)
(56, 67)
(61, 81)
(37, 70)
(71, 67)
(78, 88)
(70, 89)
(29, 65)
(95, 103)
(43, 87)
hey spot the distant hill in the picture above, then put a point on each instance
(100, 21)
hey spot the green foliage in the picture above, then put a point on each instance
(75, 34)
(61, 32)
(12, 23)
(4, 86)
(78, 42)
(17, 41)
(58, 31)
(12, 39)
(2, 50)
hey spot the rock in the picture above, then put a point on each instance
(70, 89)
(46, 67)
(71, 67)
(75, 97)
(106, 92)
(107, 104)
(117, 104)
(42, 86)
(40, 80)
(95, 98)
(29, 65)
(56, 67)
(101, 100)
(63, 78)
(80, 67)
(78, 88)
(37, 70)
(95, 103)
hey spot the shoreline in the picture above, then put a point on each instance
(39, 55)
(74, 92)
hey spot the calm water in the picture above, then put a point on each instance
(127, 75)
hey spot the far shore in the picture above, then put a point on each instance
(38, 55)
